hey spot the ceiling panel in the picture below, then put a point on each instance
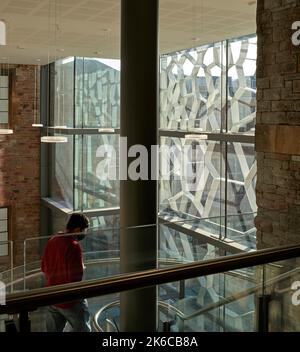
(46, 29)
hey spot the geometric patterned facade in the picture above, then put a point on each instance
(197, 84)
(210, 89)
(205, 90)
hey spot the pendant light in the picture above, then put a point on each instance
(4, 72)
(196, 137)
(5, 131)
(106, 130)
(47, 138)
(54, 139)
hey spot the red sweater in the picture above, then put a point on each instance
(62, 263)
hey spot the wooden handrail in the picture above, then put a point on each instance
(31, 300)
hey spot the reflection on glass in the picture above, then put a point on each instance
(192, 98)
(64, 93)
(241, 197)
(95, 159)
(61, 178)
(97, 92)
(182, 195)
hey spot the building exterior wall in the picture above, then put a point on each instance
(20, 162)
(278, 107)
(278, 146)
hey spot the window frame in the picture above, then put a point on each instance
(5, 258)
(10, 72)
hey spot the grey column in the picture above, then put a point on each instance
(139, 111)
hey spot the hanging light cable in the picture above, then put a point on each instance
(60, 82)
(36, 89)
(47, 138)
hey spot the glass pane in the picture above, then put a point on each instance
(282, 286)
(101, 243)
(3, 117)
(61, 187)
(225, 302)
(3, 225)
(241, 178)
(206, 305)
(242, 84)
(190, 89)
(100, 247)
(199, 196)
(241, 197)
(3, 249)
(3, 236)
(96, 171)
(179, 245)
(64, 92)
(4, 81)
(3, 93)
(3, 213)
(3, 105)
(97, 92)
(215, 303)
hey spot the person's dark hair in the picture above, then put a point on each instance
(78, 220)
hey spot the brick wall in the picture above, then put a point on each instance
(278, 146)
(20, 162)
(278, 115)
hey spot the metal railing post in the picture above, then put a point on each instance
(24, 322)
(263, 312)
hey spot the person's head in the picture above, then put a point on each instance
(78, 223)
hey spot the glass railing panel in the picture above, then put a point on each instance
(212, 303)
(258, 298)
(179, 241)
(282, 290)
(6, 264)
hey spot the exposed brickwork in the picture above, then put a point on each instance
(278, 85)
(20, 163)
(278, 177)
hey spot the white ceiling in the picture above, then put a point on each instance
(48, 29)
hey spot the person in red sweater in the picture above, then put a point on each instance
(62, 264)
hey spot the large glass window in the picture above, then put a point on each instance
(64, 93)
(242, 84)
(210, 90)
(96, 183)
(190, 89)
(97, 93)
(85, 108)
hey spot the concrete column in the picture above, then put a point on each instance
(139, 111)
